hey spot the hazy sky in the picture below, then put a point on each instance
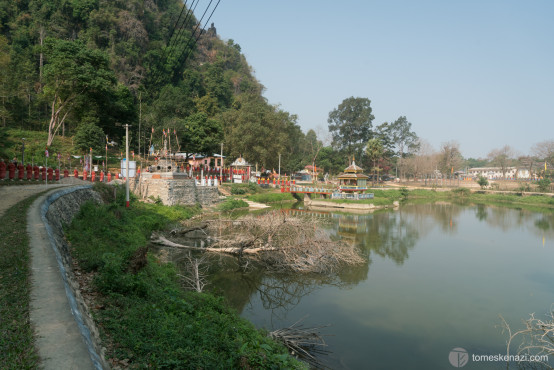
(477, 72)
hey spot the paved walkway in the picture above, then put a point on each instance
(58, 339)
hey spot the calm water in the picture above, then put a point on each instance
(436, 277)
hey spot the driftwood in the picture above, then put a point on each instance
(160, 240)
(194, 276)
(302, 342)
(278, 241)
(189, 229)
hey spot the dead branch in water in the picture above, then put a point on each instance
(186, 230)
(537, 338)
(160, 240)
(195, 274)
(302, 342)
(278, 241)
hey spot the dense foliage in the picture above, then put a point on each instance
(73, 66)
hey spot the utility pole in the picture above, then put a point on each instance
(106, 168)
(23, 151)
(140, 120)
(221, 165)
(279, 166)
(126, 165)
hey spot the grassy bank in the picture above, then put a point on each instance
(268, 197)
(231, 203)
(146, 318)
(17, 350)
(387, 197)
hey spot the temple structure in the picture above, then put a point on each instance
(353, 180)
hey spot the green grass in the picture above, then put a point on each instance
(386, 197)
(267, 197)
(17, 349)
(231, 203)
(146, 317)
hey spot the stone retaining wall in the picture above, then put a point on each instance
(174, 191)
(57, 211)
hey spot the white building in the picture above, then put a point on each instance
(495, 173)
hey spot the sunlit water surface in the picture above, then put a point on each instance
(436, 277)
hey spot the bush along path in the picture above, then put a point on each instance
(145, 317)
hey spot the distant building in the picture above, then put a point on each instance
(495, 173)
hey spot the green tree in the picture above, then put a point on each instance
(374, 151)
(200, 134)
(330, 160)
(402, 138)
(259, 132)
(6, 144)
(544, 185)
(483, 182)
(88, 136)
(5, 81)
(350, 125)
(72, 70)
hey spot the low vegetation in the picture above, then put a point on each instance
(232, 203)
(17, 350)
(267, 197)
(146, 318)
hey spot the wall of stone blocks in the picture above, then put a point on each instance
(175, 191)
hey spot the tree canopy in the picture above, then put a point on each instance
(350, 125)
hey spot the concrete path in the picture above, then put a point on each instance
(58, 338)
(11, 195)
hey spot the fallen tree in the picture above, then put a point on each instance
(278, 241)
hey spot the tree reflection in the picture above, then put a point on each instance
(507, 219)
(276, 291)
(383, 234)
(481, 212)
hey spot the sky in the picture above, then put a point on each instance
(480, 73)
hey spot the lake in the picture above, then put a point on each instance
(436, 277)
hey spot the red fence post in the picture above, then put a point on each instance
(20, 172)
(11, 170)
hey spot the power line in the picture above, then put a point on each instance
(172, 42)
(200, 33)
(189, 15)
(192, 39)
(174, 27)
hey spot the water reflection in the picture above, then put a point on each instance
(388, 235)
(506, 219)
(385, 234)
(436, 276)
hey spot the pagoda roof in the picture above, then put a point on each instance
(353, 168)
(353, 176)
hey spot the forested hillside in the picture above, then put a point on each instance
(84, 68)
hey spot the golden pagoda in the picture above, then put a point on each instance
(353, 180)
